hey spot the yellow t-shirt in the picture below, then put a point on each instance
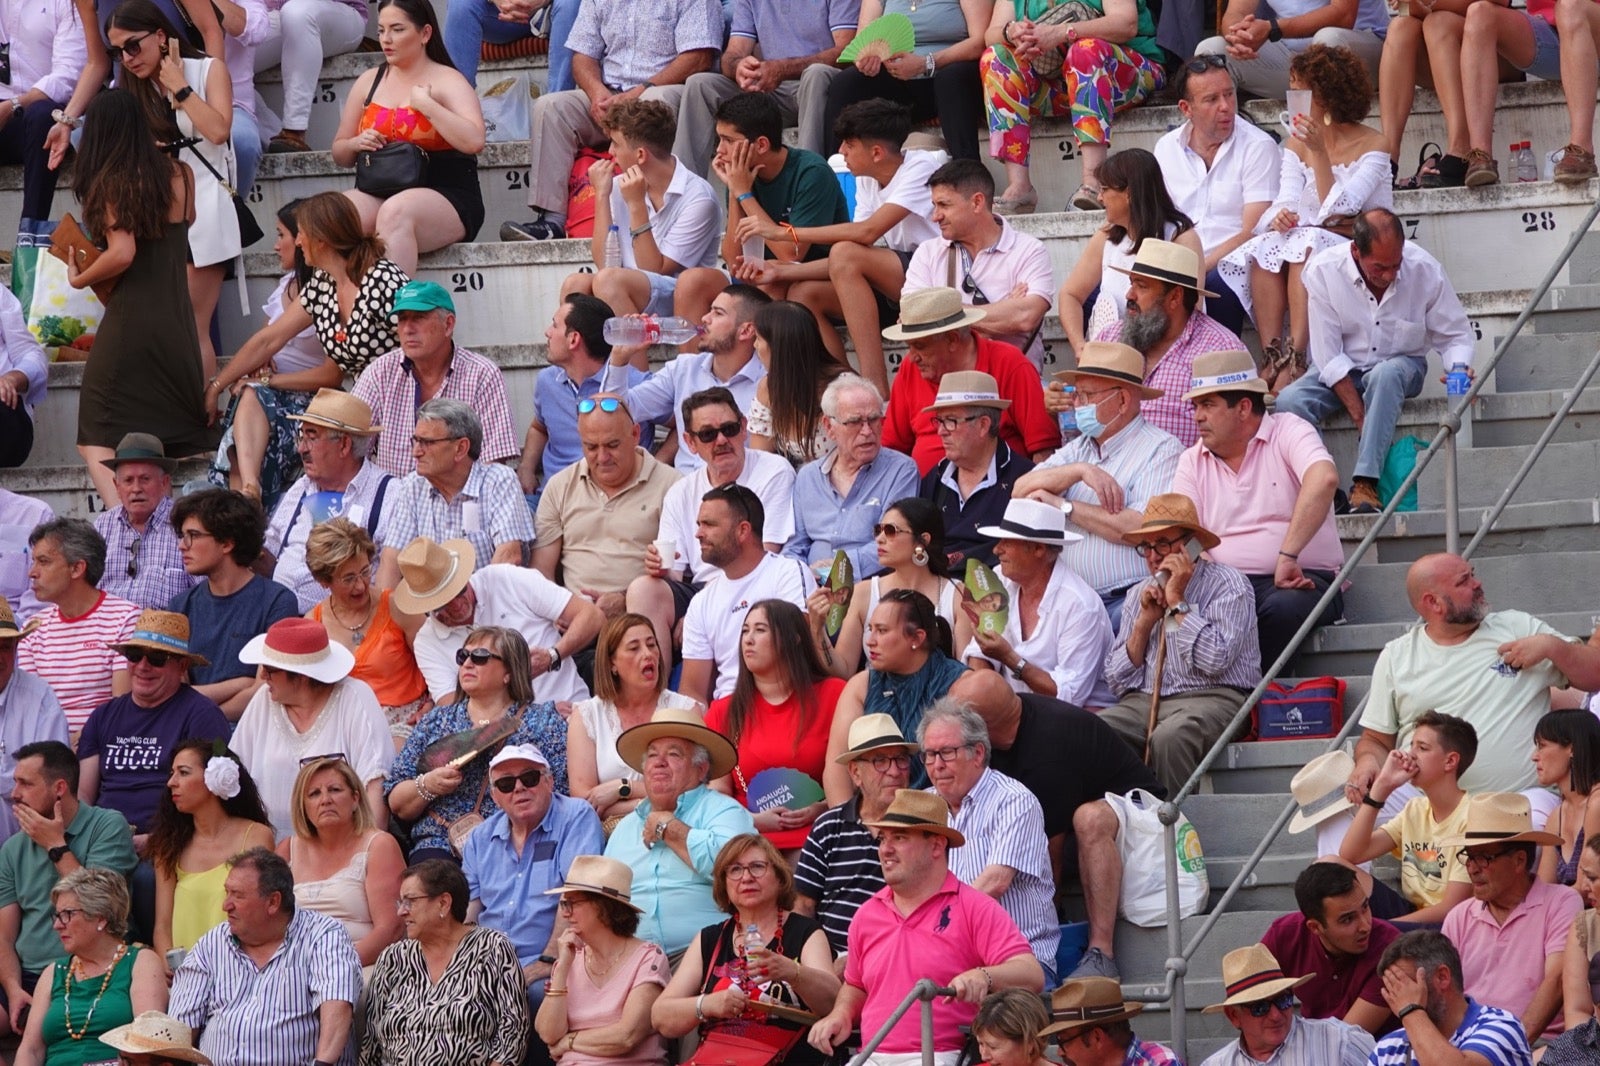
(1426, 866)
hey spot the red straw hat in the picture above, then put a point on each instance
(300, 646)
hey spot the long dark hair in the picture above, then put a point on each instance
(421, 13)
(120, 171)
(142, 16)
(798, 662)
(173, 829)
(1150, 207)
(801, 367)
(925, 520)
(1579, 730)
(289, 216)
(916, 612)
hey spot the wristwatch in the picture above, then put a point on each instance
(555, 658)
(661, 829)
(1066, 508)
(1181, 607)
(547, 959)
(625, 790)
(928, 65)
(1275, 33)
(16, 106)
(183, 94)
(1018, 670)
(58, 853)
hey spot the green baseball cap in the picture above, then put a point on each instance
(421, 296)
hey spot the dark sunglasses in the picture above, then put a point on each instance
(131, 46)
(608, 404)
(157, 659)
(1263, 1007)
(133, 555)
(335, 756)
(888, 529)
(1201, 64)
(528, 779)
(970, 287)
(710, 433)
(479, 656)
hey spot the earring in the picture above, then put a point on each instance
(102, 927)
(919, 555)
(1327, 119)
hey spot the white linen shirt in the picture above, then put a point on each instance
(1244, 171)
(686, 229)
(47, 49)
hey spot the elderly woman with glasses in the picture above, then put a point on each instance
(449, 992)
(102, 982)
(444, 801)
(763, 951)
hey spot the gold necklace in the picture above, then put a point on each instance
(74, 973)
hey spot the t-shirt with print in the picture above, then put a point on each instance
(220, 626)
(805, 192)
(1426, 864)
(908, 189)
(134, 745)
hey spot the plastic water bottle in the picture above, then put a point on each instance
(613, 256)
(1069, 417)
(1456, 382)
(752, 942)
(645, 329)
(1527, 168)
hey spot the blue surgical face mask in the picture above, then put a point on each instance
(1089, 423)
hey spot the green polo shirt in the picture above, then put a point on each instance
(97, 836)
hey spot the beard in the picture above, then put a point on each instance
(1142, 330)
(1473, 612)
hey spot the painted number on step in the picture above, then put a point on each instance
(1411, 225)
(517, 179)
(1049, 355)
(1477, 330)
(893, 358)
(1069, 148)
(467, 281)
(325, 92)
(255, 195)
(95, 503)
(1534, 221)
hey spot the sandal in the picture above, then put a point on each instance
(1427, 165)
(1087, 199)
(1273, 361)
(1017, 205)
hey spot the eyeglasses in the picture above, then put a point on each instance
(1165, 547)
(608, 404)
(711, 433)
(404, 904)
(931, 755)
(424, 442)
(1263, 1007)
(334, 756)
(1083, 396)
(131, 46)
(1201, 64)
(757, 869)
(133, 555)
(565, 904)
(889, 529)
(65, 915)
(881, 763)
(157, 659)
(313, 434)
(1480, 860)
(527, 779)
(859, 421)
(479, 656)
(189, 536)
(948, 423)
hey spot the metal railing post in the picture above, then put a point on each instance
(927, 1032)
(924, 991)
(1177, 965)
(1452, 493)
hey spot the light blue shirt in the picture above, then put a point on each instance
(676, 898)
(555, 407)
(825, 522)
(29, 711)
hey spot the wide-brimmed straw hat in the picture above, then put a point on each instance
(1168, 262)
(1319, 789)
(300, 646)
(155, 1033)
(1172, 510)
(927, 312)
(599, 876)
(1250, 975)
(684, 724)
(915, 809)
(8, 620)
(165, 631)
(968, 388)
(1233, 371)
(433, 574)
(1111, 361)
(1499, 818)
(338, 410)
(870, 733)
(1032, 521)
(1087, 1001)
(141, 448)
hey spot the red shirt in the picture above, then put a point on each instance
(1025, 425)
(1338, 983)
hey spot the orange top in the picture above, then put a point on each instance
(384, 660)
(403, 124)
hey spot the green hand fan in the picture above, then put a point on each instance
(893, 30)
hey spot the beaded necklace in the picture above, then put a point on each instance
(72, 974)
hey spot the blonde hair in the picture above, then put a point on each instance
(102, 895)
(333, 543)
(297, 802)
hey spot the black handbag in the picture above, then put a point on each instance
(396, 167)
(249, 229)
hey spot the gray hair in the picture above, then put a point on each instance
(974, 730)
(1426, 949)
(360, 445)
(459, 420)
(80, 543)
(844, 383)
(702, 758)
(102, 895)
(272, 875)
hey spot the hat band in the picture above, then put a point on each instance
(1033, 532)
(882, 741)
(1163, 274)
(1233, 377)
(1087, 1013)
(309, 658)
(911, 819)
(166, 640)
(966, 397)
(601, 890)
(1255, 980)
(938, 323)
(1495, 834)
(137, 453)
(337, 423)
(1106, 372)
(1317, 806)
(437, 586)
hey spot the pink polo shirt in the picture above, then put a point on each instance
(953, 930)
(1503, 965)
(1250, 509)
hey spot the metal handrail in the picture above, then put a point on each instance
(924, 992)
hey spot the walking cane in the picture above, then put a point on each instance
(1155, 689)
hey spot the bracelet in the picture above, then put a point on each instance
(742, 197)
(1409, 1008)
(1290, 555)
(548, 991)
(699, 1007)
(788, 227)
(646, 228)
(212, 384)
(422, 789)
(1371, 801)
(988, 979)
(64, 119)
(1005, 33)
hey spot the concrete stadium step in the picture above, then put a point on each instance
(1263, 768)
(1541, 525)
(1540, 361)
(1542, 581)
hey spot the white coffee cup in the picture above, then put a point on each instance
(1299, 103)
(666, 547)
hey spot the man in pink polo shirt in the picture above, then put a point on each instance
(1264, 484)
(924, 923)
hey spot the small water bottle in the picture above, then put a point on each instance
(613, 256)
(1069, 417)
(752, 942)
(1456, 382)
(1527, 168)
(645, 329)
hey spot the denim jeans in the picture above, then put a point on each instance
(1384, 388)
(469, 23)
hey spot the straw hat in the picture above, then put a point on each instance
(1032, 521)
(915, 809)
(433, 574)
(1172, 510)
(1499, 818)
(1087, 1001)
(141, 448)
(927, 312)
(1319, 789)
(870, 733)
(1224, 372)
(339, 410)
(154, 1033)
(599, 876)
(687, 725)
(968, 388)
(1110, 361)
(1168, 262)
(165, 631)
(300, 646)
(8, 620)
(1250, 975)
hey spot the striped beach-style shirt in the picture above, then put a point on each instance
(70, 654)
(1489, 1031)
(839, 868)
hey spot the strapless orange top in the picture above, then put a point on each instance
(403, 124)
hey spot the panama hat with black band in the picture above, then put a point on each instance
(1113, 362)
(928, 312)
(1168, 262)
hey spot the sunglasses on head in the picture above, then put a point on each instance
(479, 656)
(157, 659)
(335, 756)
(1263, 1007)
(1201, 64)
(608, 404)
(528, 779)
(711, 433)
(133, 555)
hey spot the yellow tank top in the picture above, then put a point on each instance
(197, 904)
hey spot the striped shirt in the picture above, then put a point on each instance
(1142, 459)
(70, 654)
(144, 568)
(1488, 1031)
(1004, 826)
(490, 510)
(1175, 369)
(1216, 644)
(390, 388)
(839, 868)
(267, 1016)
(1150, 1053)
(1311, 1042)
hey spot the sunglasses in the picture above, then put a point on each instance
(1201, 64)
(479, 656)
(711, 433)
(970, 287)
(131, 46)
(333, 756)
(889, 529)
(157, 659)
(133, 555)
(528, 779)
(1263, 1007)
(608, 404)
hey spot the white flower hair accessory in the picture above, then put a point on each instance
(222, 777)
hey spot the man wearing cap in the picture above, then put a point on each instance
(1090, 1022)
(334, 442)
(438, 580)
(1375, 309)
(940, 340)
(1203, 613)
(429, 365)
(455, 493)
(521, 852)
(924, 923)
(838, 868)
(1264, 484)
(1261, 1005)
(1102, 479)
(29, 711)
(1513, 931)
(143, 563)
(1440, 1026)
(971, 484)
(672, 838)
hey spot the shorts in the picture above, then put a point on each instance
(661, 290)
(889, 310)
(1546, 64)
(682, 593)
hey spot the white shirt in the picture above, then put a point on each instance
(767, 475)
(716, 614)
(1353, 330)
(908, 189)
(47, 49)
(1244, 171)
(511, 596)
(18, 515)
(686, 229)
(19, 348)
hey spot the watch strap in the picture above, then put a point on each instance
(58, 853)
(1373, 802)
